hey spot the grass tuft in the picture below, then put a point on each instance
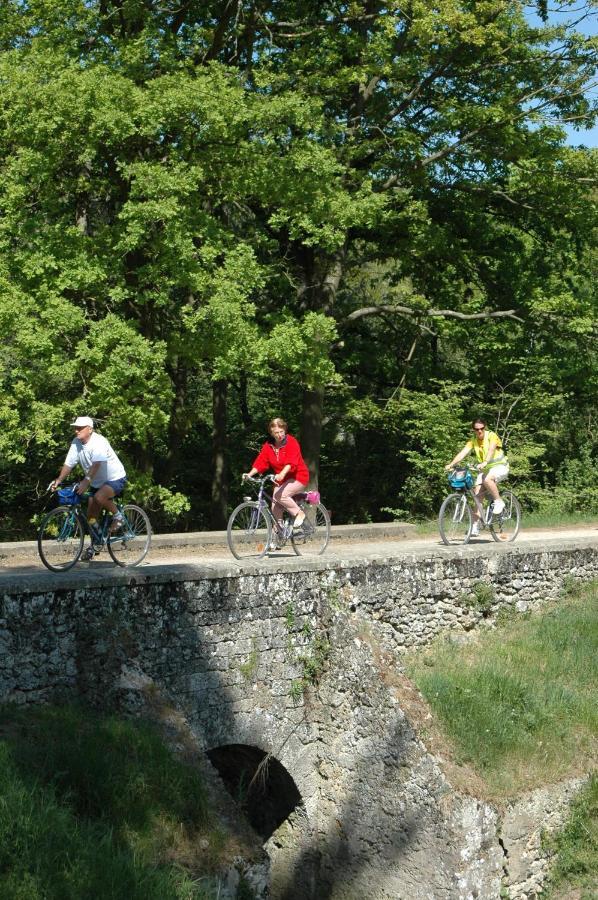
(575, 867)
(96, 807)
(519, 702)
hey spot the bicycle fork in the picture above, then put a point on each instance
(459, 510)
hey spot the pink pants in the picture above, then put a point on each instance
(283, 499)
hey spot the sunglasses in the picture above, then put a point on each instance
(480, 429)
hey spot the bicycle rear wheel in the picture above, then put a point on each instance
(454, 519)
(505, 526)
(129, 545)
(313, 536)
(249, 532)
(60, 539)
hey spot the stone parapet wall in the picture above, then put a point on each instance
(276, 658)
(414, 599)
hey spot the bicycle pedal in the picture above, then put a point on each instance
(89, 554)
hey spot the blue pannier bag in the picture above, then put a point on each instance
(461, 479)
(68, 496)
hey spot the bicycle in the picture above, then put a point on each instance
(455, 519)
(62, 533)
(252, 530)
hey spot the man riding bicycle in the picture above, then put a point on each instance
(105, 475)
(492, 466)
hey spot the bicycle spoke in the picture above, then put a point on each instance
(505, 525)
(249, 532)
(60, 539)
(129, 544)
(454, 520)
(313, 536)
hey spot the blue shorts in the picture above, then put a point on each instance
(117, 486)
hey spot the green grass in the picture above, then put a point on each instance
(519, 702)
(575, 866)
(528, 520)
(556, 519)
(96, 807)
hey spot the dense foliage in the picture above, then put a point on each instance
(99, 807)
(518, 703)
(362, 216)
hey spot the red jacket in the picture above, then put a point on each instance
(276, 458)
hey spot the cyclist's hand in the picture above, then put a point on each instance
(448, 468)
(53, 486)
(82, 486)
(278, 478)
(244, 477)
(481, 466)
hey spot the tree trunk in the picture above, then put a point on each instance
(219, 483)
(328, 273)
(168, 466)
(311, 432)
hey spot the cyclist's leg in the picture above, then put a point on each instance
(492, 480)
(103, 498)
(283, 500)
(478, 489)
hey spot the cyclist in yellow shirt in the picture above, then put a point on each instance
(493, 465)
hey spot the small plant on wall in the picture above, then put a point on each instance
(481, 598)
(312, 656)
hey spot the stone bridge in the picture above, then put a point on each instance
(288, 673)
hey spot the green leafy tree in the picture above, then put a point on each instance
(262, 196)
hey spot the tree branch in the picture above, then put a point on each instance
(447, 313)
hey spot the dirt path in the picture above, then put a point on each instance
(341, 550)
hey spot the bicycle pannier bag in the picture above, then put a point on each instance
(460, 479)
(68, 496)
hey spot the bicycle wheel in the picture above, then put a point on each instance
(454, 519)
(505, 526)
(249, 531)
(129, 545)
(60, 539)
(313, 536)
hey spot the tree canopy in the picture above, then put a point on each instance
(363, 216)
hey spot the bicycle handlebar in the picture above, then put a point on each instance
(464, 465)
(258, 480)
(54, 487)
(52, 490)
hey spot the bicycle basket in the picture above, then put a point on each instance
(68, 496)
(460, 479)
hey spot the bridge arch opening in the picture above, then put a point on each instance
(258, 783)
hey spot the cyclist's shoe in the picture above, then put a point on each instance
(499, 507)
(117, 523)
(89, 553)
(298, 523)
(272, 546)
(475, 529)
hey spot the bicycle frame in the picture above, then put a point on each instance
(99, 534)
(485, 514)
(263, 502)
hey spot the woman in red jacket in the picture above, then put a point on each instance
(282, 453)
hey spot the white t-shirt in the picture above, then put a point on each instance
(97, 449)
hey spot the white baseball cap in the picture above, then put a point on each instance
(81, 421)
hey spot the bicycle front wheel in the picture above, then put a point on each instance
(249, 532)
(129, 545)
(313, 536)
(60, 539)
(505, 526)
(454, 519)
